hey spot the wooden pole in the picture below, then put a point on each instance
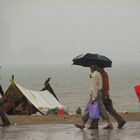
(13, 96)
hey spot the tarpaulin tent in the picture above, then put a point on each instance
(41, 100)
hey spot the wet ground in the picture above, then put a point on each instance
(131, 131)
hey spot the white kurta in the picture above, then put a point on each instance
(95, 83)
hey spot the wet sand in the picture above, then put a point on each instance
(62, 119)
(68, 132)
(61, 127)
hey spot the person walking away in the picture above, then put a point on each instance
(108, 102)
(96, 94)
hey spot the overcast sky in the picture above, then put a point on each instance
(55, 31)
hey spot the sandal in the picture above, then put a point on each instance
(108, 127)
(79, 126)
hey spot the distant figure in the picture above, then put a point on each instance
(49, 88)
(79, 111)
(108, 102)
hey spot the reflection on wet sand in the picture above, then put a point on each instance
(68, 132)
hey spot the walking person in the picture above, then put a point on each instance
(85, 117)
(96, 94)
(103, 111)
(108, 102)
(3, 116)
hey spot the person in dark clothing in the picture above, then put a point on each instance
(4, 118)
(108, 102)
(1, 91)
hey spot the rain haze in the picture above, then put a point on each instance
(39, 39)
(54, 32)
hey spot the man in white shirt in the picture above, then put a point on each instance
(96, 85)
(96, 94)
(95, 82)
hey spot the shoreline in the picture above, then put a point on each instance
(63, 119)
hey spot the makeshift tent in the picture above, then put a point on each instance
(41, 100)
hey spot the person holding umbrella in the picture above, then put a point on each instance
(99, 91)
(96, 94)
(92, 61)
(108, 102)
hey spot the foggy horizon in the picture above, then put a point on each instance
(48, 32)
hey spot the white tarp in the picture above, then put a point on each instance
(42, 100)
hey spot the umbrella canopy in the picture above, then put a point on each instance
(86, 60)
(137, 90)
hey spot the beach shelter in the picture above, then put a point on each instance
(137, 90)
(41, 100)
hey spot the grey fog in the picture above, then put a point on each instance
(54, 32)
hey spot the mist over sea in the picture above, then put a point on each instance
(71, 83)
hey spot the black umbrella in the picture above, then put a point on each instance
(89, 59)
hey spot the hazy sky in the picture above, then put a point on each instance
(55, 31)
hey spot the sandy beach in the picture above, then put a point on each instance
(63, 119)
(56, 127)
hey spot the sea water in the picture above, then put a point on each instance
(71, 83)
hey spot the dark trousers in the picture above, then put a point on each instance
(109, 107)
(3, 109)
(93, 124)
(4, 119)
